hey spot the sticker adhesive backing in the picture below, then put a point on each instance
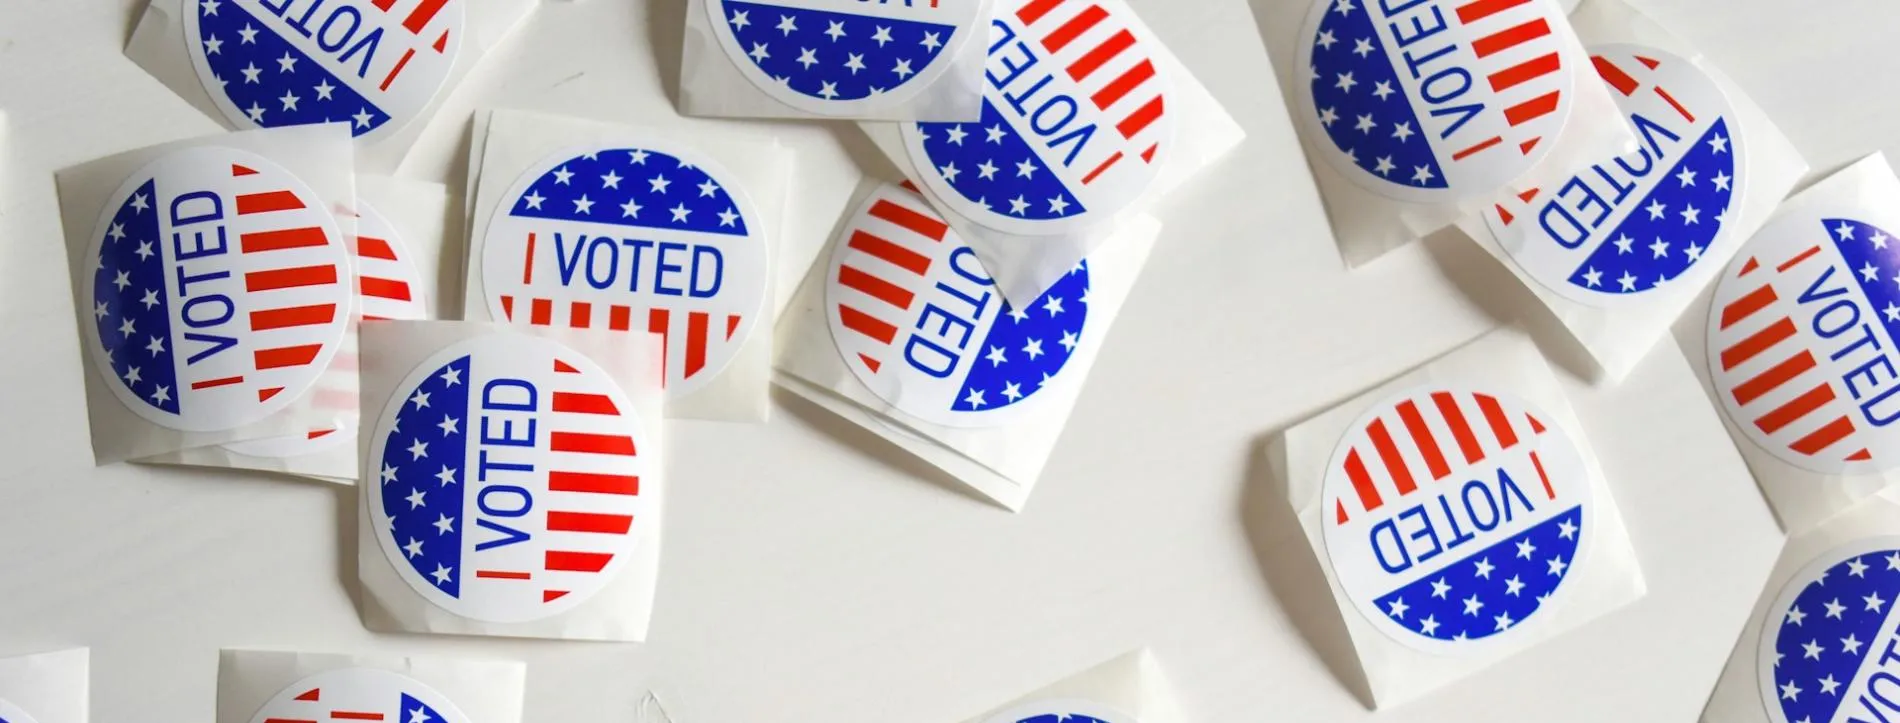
(1826, 650)
(843, 57)
(359, 694)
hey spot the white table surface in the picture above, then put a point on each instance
(811, 574)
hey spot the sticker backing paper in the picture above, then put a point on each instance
(359, 694)
(260, 687)
(1131, 688)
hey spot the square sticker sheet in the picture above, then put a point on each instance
(211, 278)
(1128, 689)
(512, 481)
(263, 686)
(1620, 249)
(834, 59)
(44, 688)
(401, 230)
(903, 331)
(585, 225)
(381, 66)
(1415, 114)
(1796, 343)
(1459, 516)
(1819, 645)
(1088, 120)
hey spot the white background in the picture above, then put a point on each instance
(813, 574)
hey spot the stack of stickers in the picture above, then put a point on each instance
(262, 687)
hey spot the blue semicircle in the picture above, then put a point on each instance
(832, 55)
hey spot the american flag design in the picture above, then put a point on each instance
(1826, 649)
(356, 695)
(374, 64)
(506, 479)
(919, 321)
(1455, 515)
(388, 286)
(1621, 228)
(1801, 343)
(1075, 121)
(219, 290)
(838, 57)
(1073, 710)
(632, 238)
(1430, 101)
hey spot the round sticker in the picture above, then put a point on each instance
(359, 694)
(217, 290)
(9, 713)
(1801, 343)
(632, 239)
(921, 323)
(1061, 711)
(1432, 101)
(842, 57)
(1636, 223)
(1827, 647)
(375, 64)
(1457, 515)
(1075, 122)
(509, 474)
(388, 286)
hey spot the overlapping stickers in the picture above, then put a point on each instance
(261, 687)
(44, 688)
(1619, 249)
(512, 481)
(833, 59)
(1459, 516)
(1128, 689)
(1087, 118)
(904, 331)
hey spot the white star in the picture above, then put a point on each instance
(418, 716)
(444, 524)
(1343, 7)
(1719, 143)
(1557, 566)
(213, 45)
(1345, 82)
(414, 547)
(1592, 277)
(740, 19)
(1018, 314)
(1484, 568)
(1659, 249)
(289, 100)
(903, 68)
(1473, 605)
(728, 217)
(882, 35)
(1397, 609)
(1402, 131)
(1069, 341)
(611, 180)
(418, 450)
(144, 250)
(247, 36)
(1691, 215)
(139, 203)
(955, 135)
(997, 357)
(122, 279)
(1795, 616)
(1504, 620)
(446, 476)
(1033, 348)
(1721, 180)
(562, 176)
(1874, 602)
(630, 209)
(1513, 586)
(1829, 684)
(210, 7)
(1628, 281)
(255, 112)
(1879, 240)
(1893, 561)
(1686, 177)
(975, 399)
(1844, 231)
(583, 204)
(1362, 47)
(1694, 252)
(1013, 390)
(1623, 244)
(827, 90)
(1870, 272)
(324, 89)
(1384, 166)
(1811, 651)
(441, 574)
(448, 426)
(1429, 625)
(1790, 691)
(1365, 124)
(986, 170)
(807, 57)
(836, 29)
(759, 53)
(1656, 210)
(389, 474)
(1025, 169)
(1566, 530)
(854, 61)
(1525, 548)
(786, 25)
(1421, 175)
(287, 64)
(1326, 40)
(1855, 567)
(99, 310)
(993, 134)
(659, 183)
(930, 41)
(1053, 305)
(680, 212)
(1382, 89)
(949, 172)
(117, 232)
(126, 328)
(421, 399)
(1057, 205)
(362, 118)
(162, 394)
(1018, 206)
(1440, 588)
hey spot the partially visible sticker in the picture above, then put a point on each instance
(1062, 711)
(10, 713)
(1802, 339)
(1827, 646)
(1456, 516)
(359, 694)
(509, 479)
(919, 321)
(1432, 101)
(388, 286)
(375, 64)
(1075, 124)
(217, 290)
(648, 238)
(843, 57)
(1628, 226)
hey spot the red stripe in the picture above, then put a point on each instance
(1824, 437)
(1673, 103)
(289, 238)
(1774, 377)
(1389, 454)
(600, 484)
(264, 395)
(384, 5)
(527, 261)
(502, 575)
(1756, 343)
(1148, 156)
(210, 383)
(237, 171)
(577, 561)
(866, 324)
(696, 341)
(1140, 119)
(1525, 72)
(273, 279)
(561, 367)
(1035, 9)
(591, 443)
(383, 288)
(288, 720)
(1549, 491)
(353, 715)
(589, 522)
(508, 306)
(577, 403)
(249, 203)
(312, 694)
(619, 318)
(889, 293)
(1531, 109)
(1362, 482)
(898, 256)
(1422, 437)
(1074, 28)
(732, 325)
(657, 324)
(1511, 37)
(1460, 429)
(1803, 256)
(1096, 58)
(1123, 84)
(391, 78)
(292, 316)
(910, 220)
(1500, 424)
(419, 18)
(580, 315)
(1752, 264)
(288, 356)
(541, 312)
(1796, 408)
(1466, 153)
(374, 248)
(1746, 306)
(1613, 75)
(1086, 180)
(1472, 12)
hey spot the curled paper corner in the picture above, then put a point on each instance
(651, 710)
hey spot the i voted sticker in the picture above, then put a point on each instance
(1062, 711)
(388, 286)
(1621, 228)
(1075, 123)
(1456, 516)
(648, 238)
(10, 713)
(1432, 101)
(1802, 343)
(919, 321)
(1827, 650)
(359, 694)
(219, 290)
(843, 57)
(506, 479)
(374, 64)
